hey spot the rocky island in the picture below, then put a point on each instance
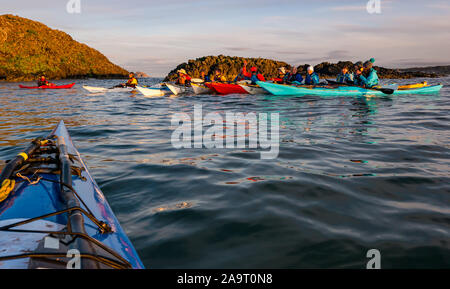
(29, 48)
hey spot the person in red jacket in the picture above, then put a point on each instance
(253, 75)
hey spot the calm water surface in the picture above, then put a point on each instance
(352, 174)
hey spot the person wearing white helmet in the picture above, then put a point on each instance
(311, 77)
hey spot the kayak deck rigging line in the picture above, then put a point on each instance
(93, 254)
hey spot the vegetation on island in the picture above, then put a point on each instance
(232, 65)
(29, 49)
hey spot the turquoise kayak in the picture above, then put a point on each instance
(53, 214)
(292, 90)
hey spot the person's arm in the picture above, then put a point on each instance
(245, 72)
(261, 77)
(298, 78)
(362, 80)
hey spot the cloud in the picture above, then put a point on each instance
(348, 8)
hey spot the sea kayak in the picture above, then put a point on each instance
(153, 91)
(67, 86)
(94, 89)
(201, 89)
(253, 89)
(52, 210)
(226, 88)
(292, 90)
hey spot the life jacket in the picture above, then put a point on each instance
(257, 77)
(184, 79)
(220, 78)
(277, 80)
(312, 78)
(132, 82)
(344, 78)
(295, 77)
(251, 76)
(42, 82)
(370, 81)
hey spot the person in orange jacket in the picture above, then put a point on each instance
(183, 78)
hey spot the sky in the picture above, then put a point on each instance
(155, 36)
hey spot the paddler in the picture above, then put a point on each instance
(253, 75)
(240, 77)
(282, 71)
(293, 77)
(311, 77)
(132, 81)
(205, 77)
(357, 71)
(368, 78)
(183, 78)
(219, 77)
(42, 81)
(345, 76)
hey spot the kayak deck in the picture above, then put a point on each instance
(31, 200)
(226, 88)
(94, 89)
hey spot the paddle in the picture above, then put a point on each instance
(383, 90)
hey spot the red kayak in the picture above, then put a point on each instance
(49, 87)
(226, 88)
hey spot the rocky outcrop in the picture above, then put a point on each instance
(29, 49)
(139, 74)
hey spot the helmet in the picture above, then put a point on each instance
(254, 69)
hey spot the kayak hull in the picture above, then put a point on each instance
(67, 86)
(254, 89)
(33, 200)
(226, 88)
(201, 89)
(153, 91)
(291, 90)
(177, 89)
